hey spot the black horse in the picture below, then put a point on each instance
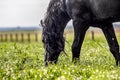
(84, 13)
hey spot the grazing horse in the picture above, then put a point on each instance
(83, 13)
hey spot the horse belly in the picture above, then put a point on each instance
(103, 9)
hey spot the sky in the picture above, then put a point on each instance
(22, 12)
(25, 13)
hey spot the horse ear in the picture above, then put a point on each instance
(42, 24)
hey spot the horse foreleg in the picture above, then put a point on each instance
(79, 34)
(112, 41)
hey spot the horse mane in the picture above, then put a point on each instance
(55, 4)
(51, 4)
(51, 31)
(55, 8)
(54, 24)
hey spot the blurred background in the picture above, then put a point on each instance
(20, 19)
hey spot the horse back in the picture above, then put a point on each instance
(104, 8)
(100, 9)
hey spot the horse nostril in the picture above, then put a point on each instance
(50, 62)
(55, 61)
(46, 63)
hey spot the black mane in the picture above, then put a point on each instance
(53, 29)
(55, 8)
(53, 4)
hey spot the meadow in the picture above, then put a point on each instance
(25, 61)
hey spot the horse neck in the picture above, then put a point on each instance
(58, 21)
(57, 14)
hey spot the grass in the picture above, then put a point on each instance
(24, 61)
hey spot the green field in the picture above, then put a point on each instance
(24, 61)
